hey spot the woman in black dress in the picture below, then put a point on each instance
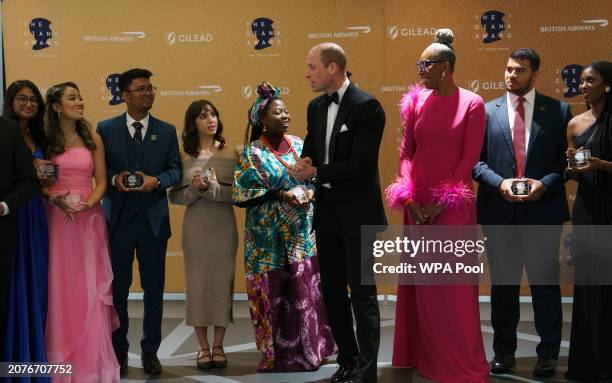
(590, 355)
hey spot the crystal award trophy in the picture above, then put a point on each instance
(301, 193)
(133, 181)
(520, 187)
(581, 158)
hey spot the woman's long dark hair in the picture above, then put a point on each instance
(190, 136)
(601, 147)
(55, 136)
(36, 124)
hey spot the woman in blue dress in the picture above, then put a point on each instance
(27, 300)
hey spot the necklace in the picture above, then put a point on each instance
(71, 139)
(276, 153)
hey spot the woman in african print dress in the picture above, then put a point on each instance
(282, 271)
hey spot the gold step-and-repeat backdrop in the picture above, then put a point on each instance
(220, 50)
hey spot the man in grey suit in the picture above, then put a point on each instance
(525, 140)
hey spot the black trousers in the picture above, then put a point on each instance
(341, 265)
(135, 235)
(6, 269)
(510, 250)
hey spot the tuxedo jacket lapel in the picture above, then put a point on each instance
(322, 129)
(343, 111)
(119, 133)
(503, 122)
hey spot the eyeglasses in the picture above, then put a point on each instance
(141, 91)
(23, 100)
(424, 65)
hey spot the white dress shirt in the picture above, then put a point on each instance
(144, 122)
(512, 101)
(332, 112)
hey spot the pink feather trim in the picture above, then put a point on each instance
(399, 192)
(409, 100)
(453, 194)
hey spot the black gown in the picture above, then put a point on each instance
(590, 354)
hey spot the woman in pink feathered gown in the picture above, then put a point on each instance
(437, 328)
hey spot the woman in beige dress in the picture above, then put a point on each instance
(209, 228)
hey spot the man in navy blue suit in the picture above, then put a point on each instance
(143, 150)
(525, 141)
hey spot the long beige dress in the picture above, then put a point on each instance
(210, 240)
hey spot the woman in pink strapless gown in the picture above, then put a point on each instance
(80, 317)
(437, 328)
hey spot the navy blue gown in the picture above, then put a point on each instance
(27, 300)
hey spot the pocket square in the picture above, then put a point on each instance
(343, 128)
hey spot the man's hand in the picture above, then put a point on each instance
(1, 209)
(119, 181)
(148, 183)
(536, 190)
(505, 190)
(302, 170)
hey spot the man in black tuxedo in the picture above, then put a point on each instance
(18, 184)
(340, 154)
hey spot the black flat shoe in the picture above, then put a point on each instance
(502, 364)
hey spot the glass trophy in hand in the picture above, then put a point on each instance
(300, 192)
(133, 181)
(48, 173)
(581, 158)
(520, 187)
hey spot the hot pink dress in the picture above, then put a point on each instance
(81, 317)
(437, 328)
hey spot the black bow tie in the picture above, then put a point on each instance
(333, 98)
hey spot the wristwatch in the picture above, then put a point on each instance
(314, 178)
(157, 184)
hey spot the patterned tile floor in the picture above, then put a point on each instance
(177, 351)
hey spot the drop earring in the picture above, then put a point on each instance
(608, 89)
(59, 115)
